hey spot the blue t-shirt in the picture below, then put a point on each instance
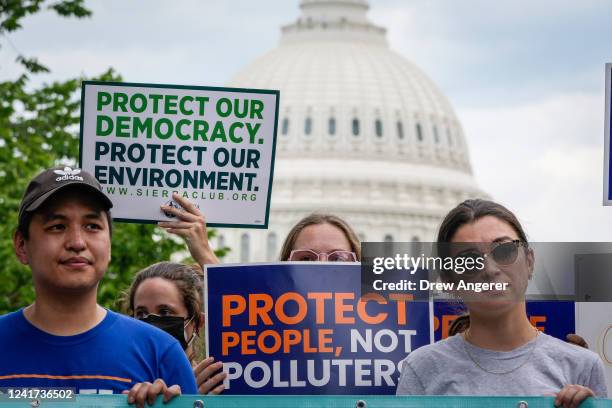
(112, 357)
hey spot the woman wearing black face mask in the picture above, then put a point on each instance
(176, 326)
(169, 296)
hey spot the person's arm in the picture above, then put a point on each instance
(191, 225)
(597, 380)
(409, 383)
(572, 395)
(174, 368)
(207, 381)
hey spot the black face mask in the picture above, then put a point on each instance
(173, 325)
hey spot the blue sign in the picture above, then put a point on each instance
(556, 318)
(306, 328)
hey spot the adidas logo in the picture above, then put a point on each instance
(68, 174)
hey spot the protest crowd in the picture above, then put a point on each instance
(64, 338)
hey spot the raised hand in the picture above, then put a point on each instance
(190, 224)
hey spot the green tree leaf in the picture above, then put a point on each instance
(39, 128)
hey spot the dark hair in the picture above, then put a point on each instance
(316, 219)
(472, 210)
(468, 212)
(459, 325)
(23, 226)
(188, 280)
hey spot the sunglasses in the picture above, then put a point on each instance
(307, 255)
(503, 254)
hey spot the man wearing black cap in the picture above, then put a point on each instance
(64, 338)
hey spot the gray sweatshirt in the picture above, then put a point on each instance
(541, 367)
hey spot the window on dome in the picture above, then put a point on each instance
(361, 237)
(449, 136)
(419, 132)
(221, 241)
(331, 126)
(308, 126)
(388, 238)
(245, 248)
(271, 246)
(415, 238)
(355, 127)
(400, 130)
(285, 127)
(436, 136)
(378, 128)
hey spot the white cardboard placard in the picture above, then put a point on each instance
(214, 146)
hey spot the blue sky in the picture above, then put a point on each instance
(525, 78)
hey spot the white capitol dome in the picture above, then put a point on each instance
(363, 133)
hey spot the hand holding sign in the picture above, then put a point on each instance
(190, 225)
(209, 382)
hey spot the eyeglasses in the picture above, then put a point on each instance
(504, 253)
(307, 255)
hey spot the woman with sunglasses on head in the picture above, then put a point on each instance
(321, 237)
(500, 353)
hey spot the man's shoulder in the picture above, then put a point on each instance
(11, 316)
(12, 320)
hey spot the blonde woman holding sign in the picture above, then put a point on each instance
(317, 237)
(500, 353)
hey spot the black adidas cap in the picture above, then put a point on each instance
(53, 180)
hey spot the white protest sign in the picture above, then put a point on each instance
(214, 146)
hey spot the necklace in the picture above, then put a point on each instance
(467, 332)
